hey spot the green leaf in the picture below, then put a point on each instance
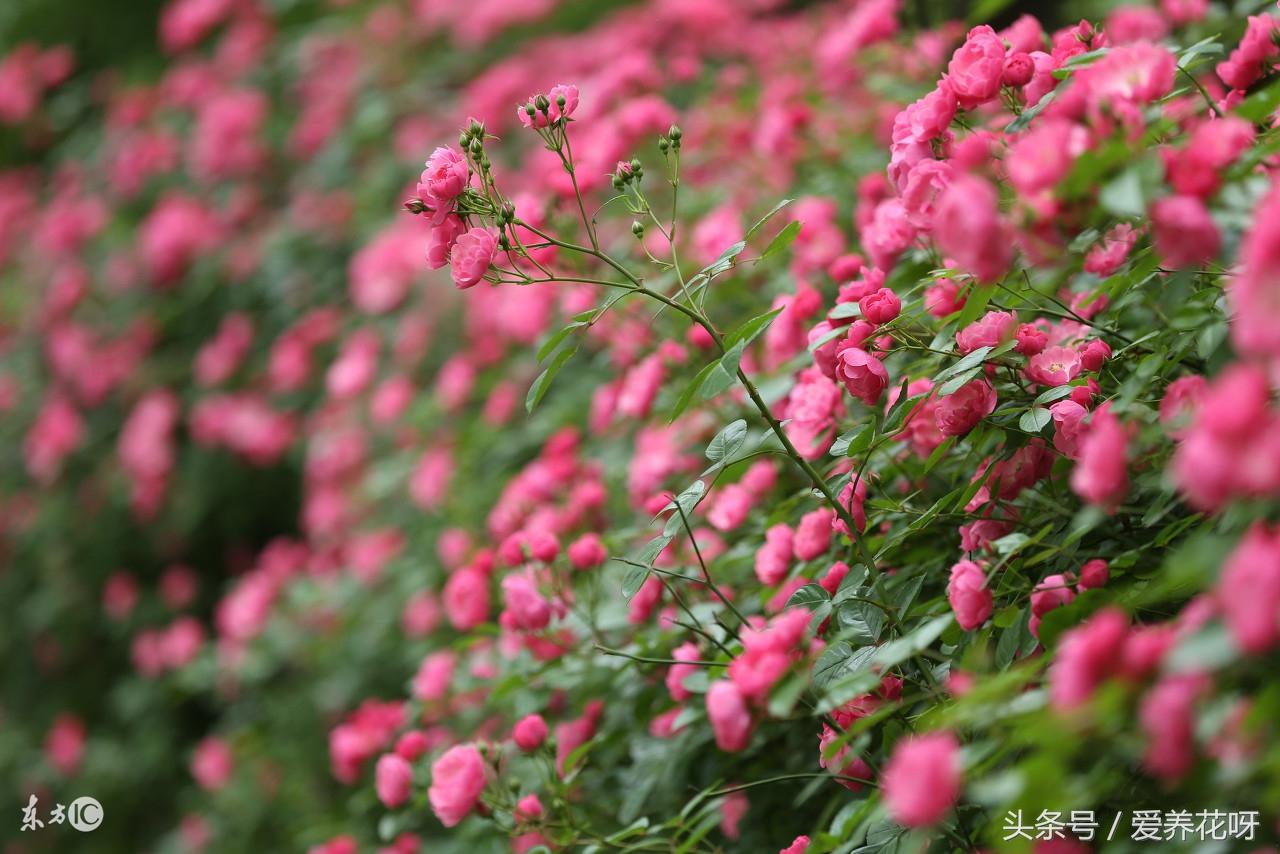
(724, 373)
(1053, 394)
(772, 211)
(1024, 119)
(1034, 420)
(860, 622)
(809, 597)
(959, 381)
(690, 392)
(782, 239)
(855, 443)
(749, 331)
(543, 382)
(685, 501)
(633, 580)
(727, 442)
(554, 341)
(967, 363)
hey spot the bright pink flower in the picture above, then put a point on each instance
(676, 673)
(727, 712)
(529, 733)
(525, 605)
(457, 780)
(798, 846)
(842, 761)
(1180, 401)
(1086, 656)
(434, 676)
(959, 412)
(466, 599)
(393, 780)
(976, 68)
(881, 306)
(212, 763)
(862, 374)
(1052, 592)
(968, 594)
(569, 94)
(1101, 475)
(442, 239)
(587, 552)
(471, 256)
(990, 330)
(1093, 574)
(1068, 427)
(1248, 590)
(921, 781)
(773, 559)
(1185, 234)
(967, 227)
(445, 176)
(1054, 366)
(813, 534)
(1168, 717)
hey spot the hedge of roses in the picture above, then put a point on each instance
(661, 426)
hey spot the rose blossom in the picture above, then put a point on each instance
(921, 781)
(471, 256)
(862, 374)
(959, 412)
(968, 594)
(457, 779)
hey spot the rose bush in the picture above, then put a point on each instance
(760, 428)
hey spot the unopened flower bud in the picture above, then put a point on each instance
(477, 129)
(635, 165)
(663, 144)
(477, 147)
(542, 103)
(618, 183)
(464, 140)
(1019, 68)
(637, 228)
(415, 206)
(675, 133)
(508, 212)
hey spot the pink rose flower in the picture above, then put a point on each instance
(967, 227)
(968, 594)
(1086, 656)
(1094, 574)
(472, 254)
(959, 412)
(393, 780)
(881, 306)
(570, 95)
(730, 720)
(1185, 234)
(1101, 475)
(457, 780)
(862, 374)
(529, 733)
(921, 781)
(440, 242)
(1054, 366)
(1248, 590)
(990, 330)
(1068, 427)
(445, 176)
(977, 67)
